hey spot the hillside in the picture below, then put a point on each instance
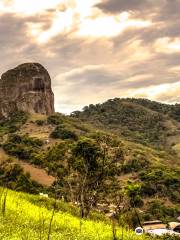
(30, 217)
(117, 164)
(140, 120)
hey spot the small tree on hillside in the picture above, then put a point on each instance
(133, 192)
(88, 162)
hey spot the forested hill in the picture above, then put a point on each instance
(141, 120)
(127, 150)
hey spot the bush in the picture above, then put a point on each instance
(63, 133)
(161, 180)
(13, 123)
(135, 164)
(158, 210)
(40, 122)
(13, 177)
(23, 147)
(55, 119)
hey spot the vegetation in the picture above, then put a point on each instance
(13, 124)
(23, 147)
(118, 153)
(22, 219)
(24, 216)
(157, 209)
(63, 133)
(161, 180)
(12, 176)
(139, 120)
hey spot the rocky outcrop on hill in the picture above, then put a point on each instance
(26, 88)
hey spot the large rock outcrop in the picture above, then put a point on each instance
(26, 88)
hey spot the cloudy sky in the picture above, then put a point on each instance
(96, 49)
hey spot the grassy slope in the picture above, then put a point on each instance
(24, 219)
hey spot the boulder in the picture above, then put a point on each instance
(26, 88)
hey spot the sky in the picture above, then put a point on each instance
(96, 49)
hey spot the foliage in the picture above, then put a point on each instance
(55, 119)
(162, 180)
(104, 154)
(12, 176)
(135, 164)
(13, 123)
(63, 133)
(55, 157)
(87, 160)
(40, 122)
(157, 210)
(23, 147)
(133, 191)
(136, 119)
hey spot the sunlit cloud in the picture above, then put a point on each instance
(61, 22)
(164, 92)
(28, 7)
(67, 17)
(168, 45)
(109, 26)
(136, 78)
(77, 16)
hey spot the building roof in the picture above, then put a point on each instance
(173, 225)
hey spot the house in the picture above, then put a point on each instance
(175, 226)
(151, 225)
(159, 228)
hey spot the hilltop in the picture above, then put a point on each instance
(141, 120)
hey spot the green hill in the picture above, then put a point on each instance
(140, 120)
(122, 154)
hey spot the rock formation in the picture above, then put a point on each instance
(26, 88)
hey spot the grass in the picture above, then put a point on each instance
(20, 218)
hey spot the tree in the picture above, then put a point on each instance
(133, 191)
(88, 164)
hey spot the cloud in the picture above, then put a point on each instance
(168, 93)
(115, 6)
(168, 45)
(28, 7)
(94, 49)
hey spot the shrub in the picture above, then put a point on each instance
(40, 122)
(23, 147)
(63, 133)
(135, 164)
(13, 123)
(13, 177)
(157, 209)
(161, 180)
(55, 119)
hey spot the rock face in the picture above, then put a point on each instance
(27, 88)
